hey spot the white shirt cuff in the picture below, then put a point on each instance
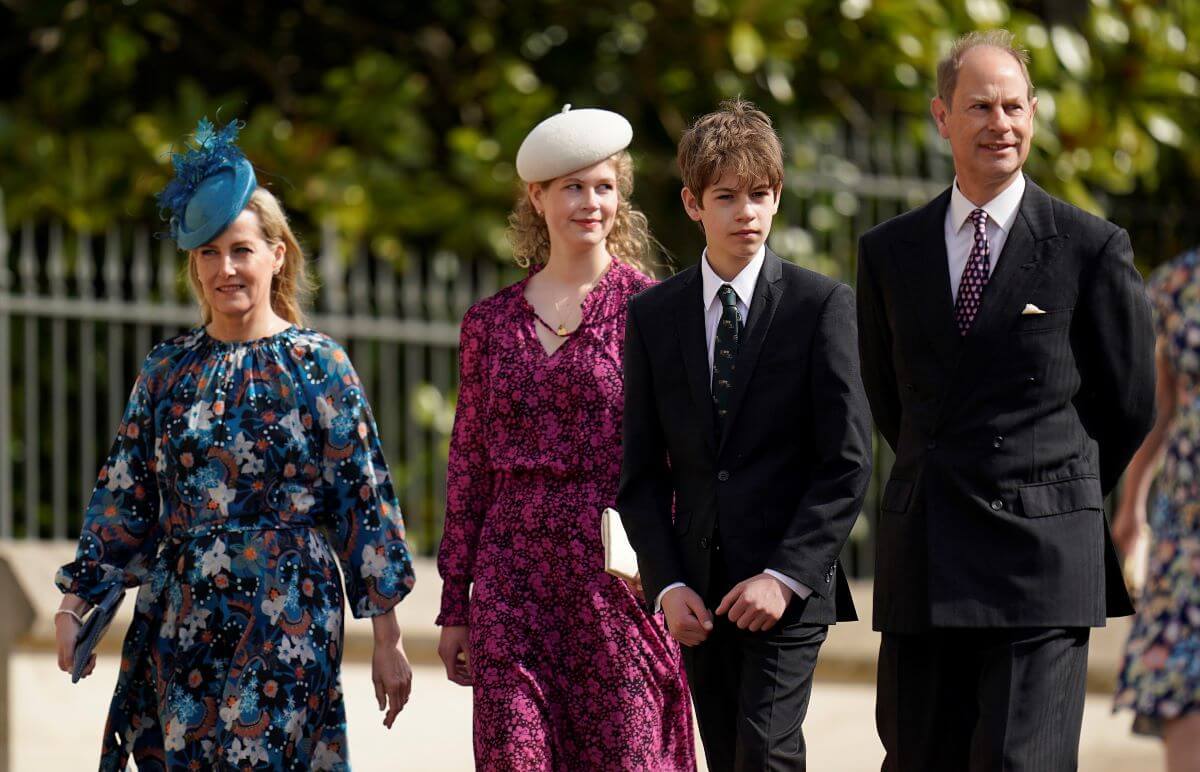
(665, 590)
(802, 591)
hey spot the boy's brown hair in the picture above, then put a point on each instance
(737, 139)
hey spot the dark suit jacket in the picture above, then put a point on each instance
(1007, 440)
(786, 480)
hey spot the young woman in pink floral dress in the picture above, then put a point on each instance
(569, 669)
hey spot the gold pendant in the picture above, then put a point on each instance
(562, 331)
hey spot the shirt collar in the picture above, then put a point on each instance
(743, 283)
(1001, 210)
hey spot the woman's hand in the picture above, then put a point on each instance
(66, 628)
(635, 584)
(1129, 527)
(1129, 520)
(390, 671)
(454, 648)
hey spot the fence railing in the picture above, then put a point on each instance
(79, 312)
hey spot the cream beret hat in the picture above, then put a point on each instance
(573, 139)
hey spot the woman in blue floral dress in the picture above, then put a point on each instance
(1160, 677)
(245, 469)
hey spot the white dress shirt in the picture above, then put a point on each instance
(743, 287)
(960, 233)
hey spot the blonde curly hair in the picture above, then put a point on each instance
(629, 240)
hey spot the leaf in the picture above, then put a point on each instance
(746, 47)
(204, 131)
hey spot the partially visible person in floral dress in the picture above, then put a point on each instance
(569, 669)
(246, 449)
(1160, 677)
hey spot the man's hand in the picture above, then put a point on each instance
(688, 621)
(756, 603)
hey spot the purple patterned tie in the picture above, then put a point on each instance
(975, 275)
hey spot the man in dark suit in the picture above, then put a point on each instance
(1007, 354)
(745, 418)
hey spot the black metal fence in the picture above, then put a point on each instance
(78, 312)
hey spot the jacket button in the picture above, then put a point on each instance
(723, 476)
(997, 441)
(703, 542)
(997, 505)
(931, 445)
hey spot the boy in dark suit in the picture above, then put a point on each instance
(745, 419)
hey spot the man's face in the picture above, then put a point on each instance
(990, 119)
(736, 216)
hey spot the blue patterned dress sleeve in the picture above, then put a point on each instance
(121, 525)
(363, 513)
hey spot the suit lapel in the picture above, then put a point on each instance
(689, 326)
(767, 292)
(926, 268)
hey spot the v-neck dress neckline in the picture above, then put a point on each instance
(585, 307)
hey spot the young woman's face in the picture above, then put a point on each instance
(580, 207)
(236, 268)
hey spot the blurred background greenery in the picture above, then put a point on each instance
(389, 130)
(401, 119)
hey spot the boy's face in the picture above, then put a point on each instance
(736, 217)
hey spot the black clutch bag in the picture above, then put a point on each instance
(93, 629)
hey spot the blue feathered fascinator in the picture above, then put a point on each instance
(213, 183)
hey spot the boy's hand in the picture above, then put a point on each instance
(756, 603)
(688, 621)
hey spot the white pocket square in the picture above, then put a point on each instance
(1031, 309)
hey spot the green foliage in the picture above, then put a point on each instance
(401, 120)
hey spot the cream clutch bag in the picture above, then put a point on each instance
(619, 558)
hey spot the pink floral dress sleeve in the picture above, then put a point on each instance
(468, 476)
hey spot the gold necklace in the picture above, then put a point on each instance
(561, 330)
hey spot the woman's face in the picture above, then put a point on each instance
(580, 207)
(236, 268)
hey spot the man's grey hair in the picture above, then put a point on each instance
(947, 69)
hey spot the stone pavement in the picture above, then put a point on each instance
(57, 725)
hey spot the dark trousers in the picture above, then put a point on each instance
(751, 690)
(982, 700)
